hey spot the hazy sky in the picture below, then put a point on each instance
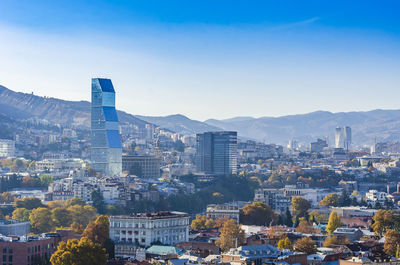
(207, 59)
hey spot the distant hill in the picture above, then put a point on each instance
(180, 123)
(382, 125)
(57, 111)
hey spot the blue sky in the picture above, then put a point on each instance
(207, 59)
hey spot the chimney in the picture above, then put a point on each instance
(388, 189)
(398, 186)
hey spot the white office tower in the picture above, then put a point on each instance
(339, 137)
(347, 137)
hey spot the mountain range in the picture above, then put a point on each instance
(367, 127)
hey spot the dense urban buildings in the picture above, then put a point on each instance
(106, 146)
(217, 153)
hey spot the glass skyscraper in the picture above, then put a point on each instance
(217, 153)
(106, 146)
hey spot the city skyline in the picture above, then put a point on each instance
(273, 60)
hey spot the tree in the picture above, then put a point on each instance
(6, 197)
(41, 220)
(305, 228)
(392, 242)
(99, 230)
(28, 203)
(61, 217)
(383, 221)
(82, 214)
(21, 214)
(56, 204)
(344, 199)
(75, 201)
(330, 200)
(18, 164)
(288, 220)
(46, 180)
(257, 213)
(77, 228)
(285, 243)
(201, 222)
(28, 181)
(317, 217)
(300, 206)
(306, 245)
(333, 223)
(98, 201)
(79, 253)
(230, 235)
(333, 240)
(220, 221)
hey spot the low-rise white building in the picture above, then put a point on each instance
(143, 229)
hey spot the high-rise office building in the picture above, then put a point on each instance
(343, 137)
(106, 147)
(217, 153)
(347, 137)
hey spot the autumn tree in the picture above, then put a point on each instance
(306, 245)
(317, 217)
(330, 200)
(41, 220)
(74, 201)
(392, 243)
(383, 221)
(305, 228)
(61, 217)
(257, 213)
(99, 232)
(230, 235)
(300, 206)
(333, 240)
(82, 214)
(333, 223)
(81, 252)
(201, 222)
(285, 243)
(219, 222)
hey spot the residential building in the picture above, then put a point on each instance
(226, 210)
(275, 198)
(373, 196)
(318, 146)
(142, 166)
(106, 146)
(217, 153)
(7, 148)
(146, 228)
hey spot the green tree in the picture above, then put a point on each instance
(46, 180)
(257, 213)
(300, 206)
(81, 252)
(41, 220)
(306, 245)
(21, 214)
(98, 201)
(330, 200)
(333, 223)
(28, 203)
(230, 235)
(289, 218)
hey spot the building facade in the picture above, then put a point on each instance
(7, 148)
(216, 153)
(106, 146)
(168, 228)
(142, 166)
(226, 210)
(9, 227)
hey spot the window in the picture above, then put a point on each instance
(4, 250)
(10, 258)
(4, 258)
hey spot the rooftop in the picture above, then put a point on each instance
(153, 215)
